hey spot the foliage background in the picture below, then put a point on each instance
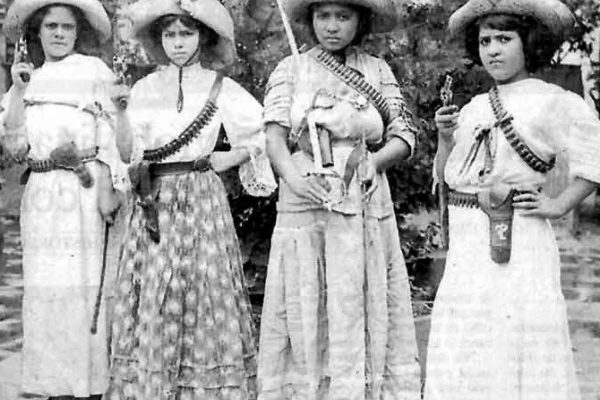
(420, 53)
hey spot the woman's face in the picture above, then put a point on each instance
(58, 33)
(335, 25)
(502, 55)
(180, 43)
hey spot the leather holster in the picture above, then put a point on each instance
(142, 184)
(496, 202)
(68, 157)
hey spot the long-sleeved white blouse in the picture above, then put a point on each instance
(550, 120)
(78, 82)
(155, 121)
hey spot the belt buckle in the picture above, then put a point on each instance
(202, 164)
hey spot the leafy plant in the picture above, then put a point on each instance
(420, 53)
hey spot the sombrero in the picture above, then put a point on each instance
(384, 15)
(21, 10)
(209, 12)
(554, 14)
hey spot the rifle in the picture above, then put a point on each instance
(446, 96)
(94, 327)
(120, 70)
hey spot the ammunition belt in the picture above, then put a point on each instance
(193, 130)
(190, 133)
(49, 164)
(178, 168)
(505, 124)
(461, 199)
(469, 200)
(357, 82)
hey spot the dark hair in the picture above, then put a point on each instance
(87, 41)
(158, 26)
(364, 22)
(539, 44)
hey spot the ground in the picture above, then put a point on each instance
(580, 278)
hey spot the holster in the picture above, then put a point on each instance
(324, 145)
(496, 202)
(67, 157)
(142, 184)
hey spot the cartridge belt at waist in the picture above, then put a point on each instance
(469, 200)
(47, 165)
(461, 199)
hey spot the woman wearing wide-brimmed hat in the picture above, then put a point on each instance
(58, 110)
(183, 326)
(499, 325)
(337, 320)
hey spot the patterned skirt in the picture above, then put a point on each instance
(182, 324)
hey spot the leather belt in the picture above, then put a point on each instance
(180, 167)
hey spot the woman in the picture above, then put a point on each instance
(183, 327)
(58, 109)
(499, 324)
(337, 320)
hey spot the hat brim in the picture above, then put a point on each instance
(21, 10)
(385, 17)
(553, 14)
(209, 12)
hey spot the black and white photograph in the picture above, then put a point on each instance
(300, 200)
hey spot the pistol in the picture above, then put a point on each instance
(446, 94)
(22, 56)
(447, 97)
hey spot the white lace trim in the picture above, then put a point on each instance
(256, 174)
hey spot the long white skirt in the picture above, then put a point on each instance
(333, 328)
(500, 332)
(62, 236)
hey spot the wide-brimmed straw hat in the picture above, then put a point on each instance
(209, 12)
(21, 10)
(553, 14)
(384, 16)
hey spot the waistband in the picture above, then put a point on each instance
(470, 200)
(180, 167)
(461, 199)
(50, 164)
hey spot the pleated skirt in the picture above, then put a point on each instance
(334, 325)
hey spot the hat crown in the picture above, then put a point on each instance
(385, 13)
(211, 13)
(554, 14)
(20, 11)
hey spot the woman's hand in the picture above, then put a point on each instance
(446, 121)
(109, 202)
(119, 94)
(367, 172)
(18, 71)
(536, 204)
(312, 187)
